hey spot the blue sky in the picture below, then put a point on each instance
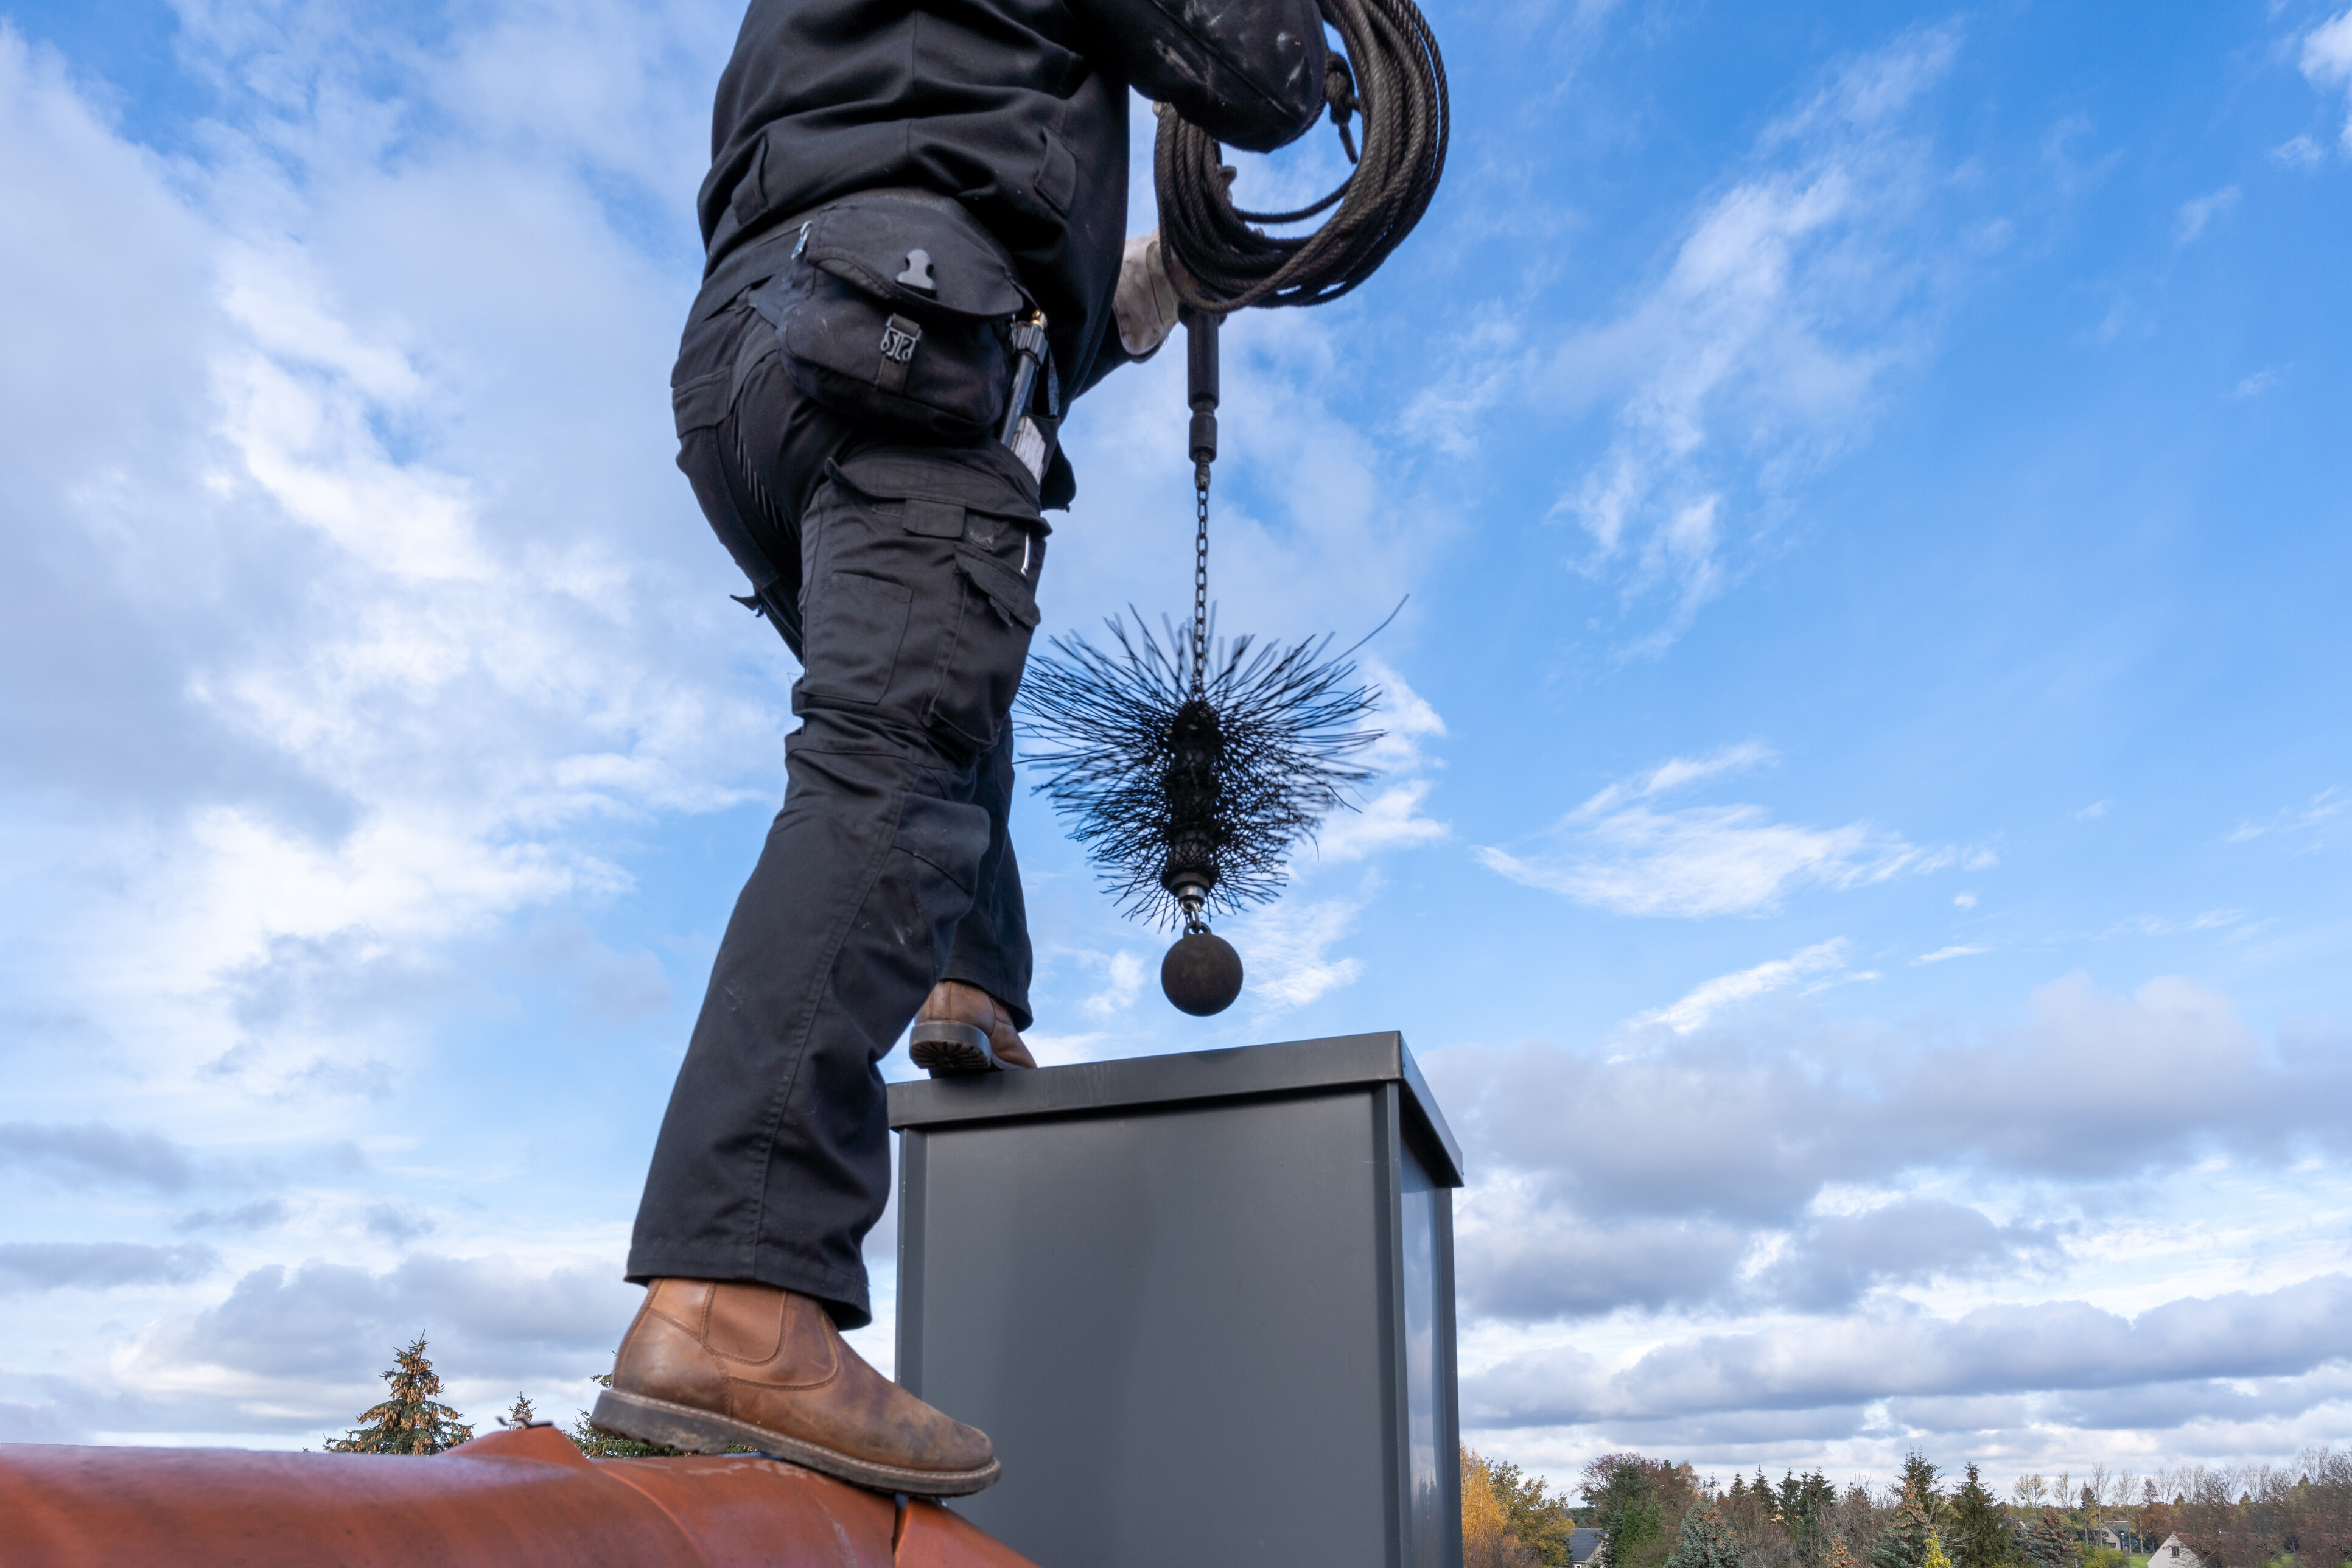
(1861, 851)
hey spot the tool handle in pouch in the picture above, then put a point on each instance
(1021, 432)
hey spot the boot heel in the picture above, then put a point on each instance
(951, 1050)
(666, 1424)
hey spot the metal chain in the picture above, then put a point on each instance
(1200, 581)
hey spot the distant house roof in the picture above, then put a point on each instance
(1582, 1544)
(2172, 1554)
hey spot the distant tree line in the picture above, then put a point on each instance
(1658, 1515)
(2253, 1515)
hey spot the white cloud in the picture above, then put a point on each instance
(359, 644)
(1288, 951)
(2168, 925)
(412, 620)
(1390, 817)
(1390, 820)
(2326, 58)
(1755, 1127)
(2254, 385)
(1617, 852)
(2011, 1349)
(1123, 984)
(38, 1266)
(2324, 808)
(1052, 1049)
(2298, 152)
(294, 1343)
(2196, 215)
(1943, 954)
(1705, 1001)
(1679, 772)
(1756, 356)
(93, 1152)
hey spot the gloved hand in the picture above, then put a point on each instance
(1145, 302)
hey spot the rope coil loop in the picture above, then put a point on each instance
(1391, 76)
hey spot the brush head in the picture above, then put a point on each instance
(1172, 777)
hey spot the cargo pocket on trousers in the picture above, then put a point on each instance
(950, 836)
(854, 627)
(935, 864)
(999, 613)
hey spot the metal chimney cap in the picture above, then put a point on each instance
(1192, 1077)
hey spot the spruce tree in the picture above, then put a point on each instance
(412, 1419)
(1919, 1480)
(1979, 1535)
(1707, 1541)
(1804, 1509)
(2049, 1544)
(520, 1416)
(1904, 1542)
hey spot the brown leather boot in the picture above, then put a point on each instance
(963, 1029)
(707, 1364)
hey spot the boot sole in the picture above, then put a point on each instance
(700, 1431)
(951, 1050)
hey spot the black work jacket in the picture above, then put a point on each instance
(1015, 107)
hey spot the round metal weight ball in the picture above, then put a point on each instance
(1201, 974)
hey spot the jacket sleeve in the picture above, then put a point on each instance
(1249, 72)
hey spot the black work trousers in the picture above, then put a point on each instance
(904, 577)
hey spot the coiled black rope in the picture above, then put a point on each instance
(1391, 76)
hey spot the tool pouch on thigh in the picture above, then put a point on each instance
(894, 312)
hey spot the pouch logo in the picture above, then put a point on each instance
(899, 337)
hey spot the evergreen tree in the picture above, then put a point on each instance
(1838, 1556)
(1935, 1558)
(2049, 1544)
(1979, 1535)
(1919, 1481)
(1622, 1491)
(1707, 1541)
(412, 1420)
(521, 1416)
(1904, 1542)
(1804, 1508)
